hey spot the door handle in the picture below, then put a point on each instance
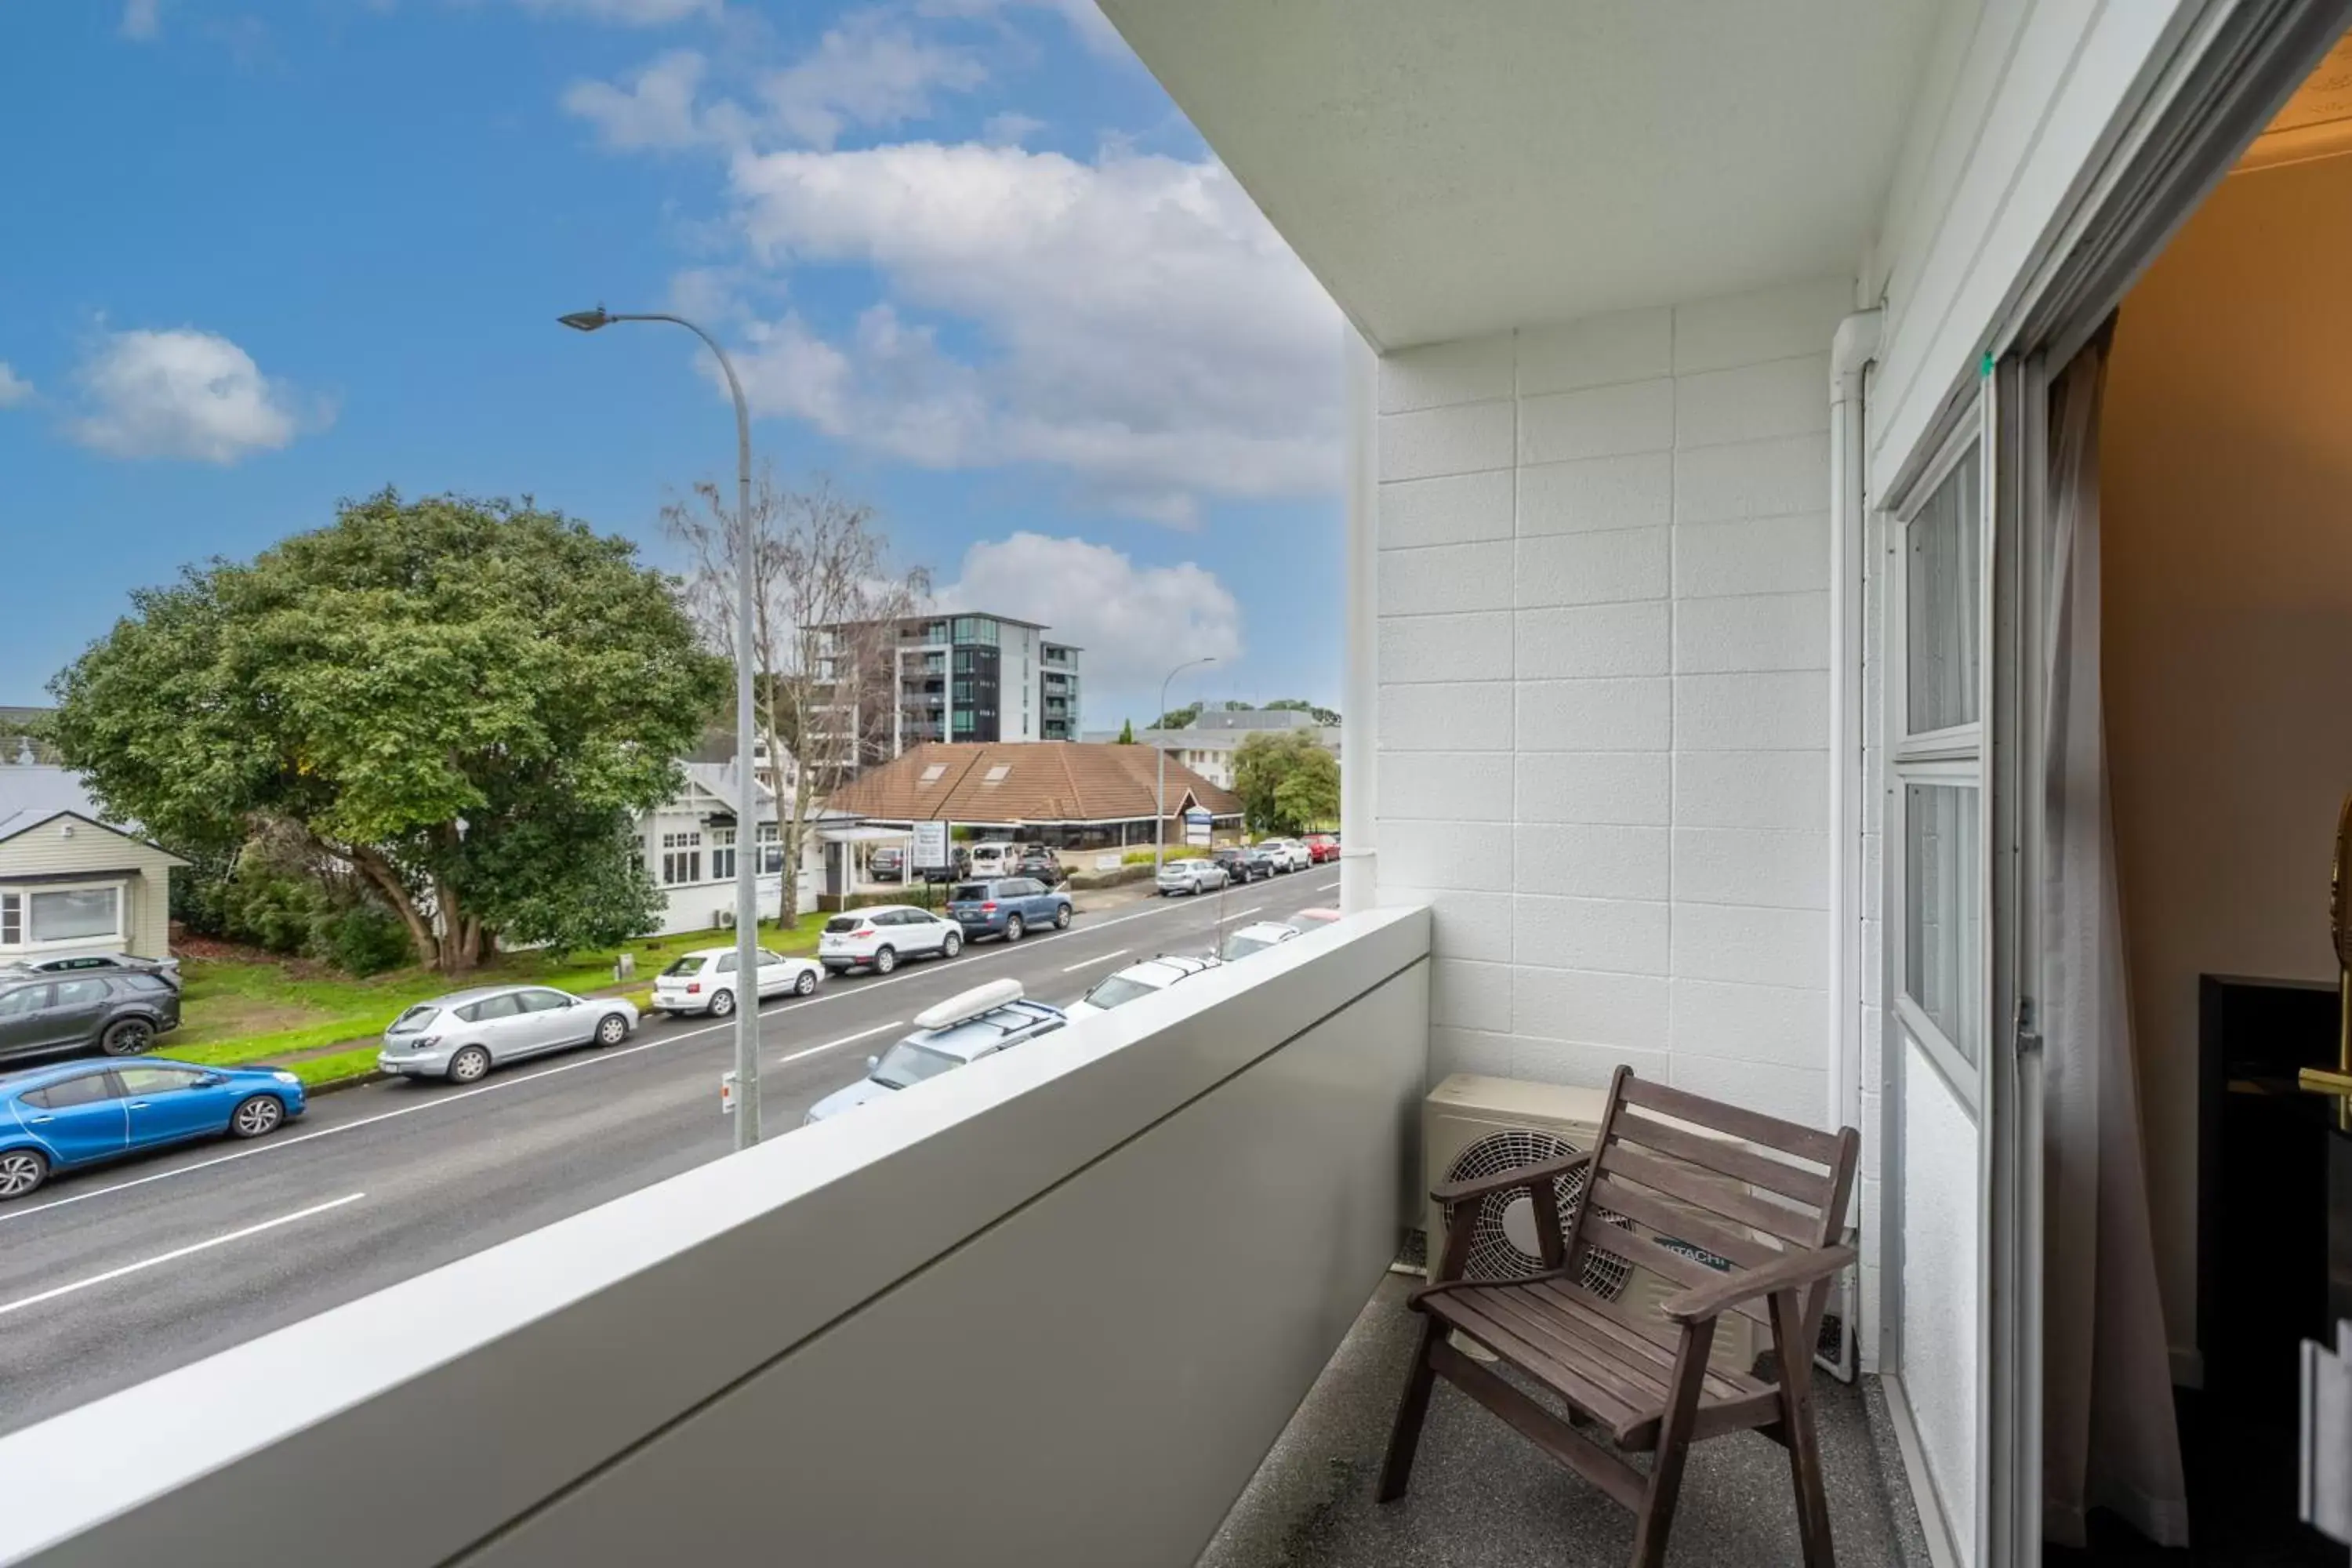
(137, 1105)
(43, 1121)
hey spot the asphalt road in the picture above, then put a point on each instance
(121, 1273)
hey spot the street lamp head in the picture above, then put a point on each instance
(587, 321)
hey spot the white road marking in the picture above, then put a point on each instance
(517, 1079)
(1328, 888)
(178, 1253)
(1090, 963)
(846, 1039)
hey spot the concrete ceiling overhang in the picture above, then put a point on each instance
(1452, 167)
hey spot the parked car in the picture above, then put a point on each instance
(1008, 906)
(65, 1117)
(118, 1011)
(993, 858)
(703, 981)
(463, 1034)
(1323, 847)
(1191, 877)
(1244, 865)
(886, 864)
(877, 938)
(1138, 980)
(83, 962)
(1043, 864)
(1287, 854)
(1255, 938)
(959, 1031)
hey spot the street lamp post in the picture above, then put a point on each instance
(747, 814)
(1159, 745)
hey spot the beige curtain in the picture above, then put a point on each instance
(2109, 1439)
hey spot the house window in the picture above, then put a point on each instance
(681, 859)
(772, 850)
(722, 854)
(75, 914)
(12, 919)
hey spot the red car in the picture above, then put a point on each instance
(1322, 846)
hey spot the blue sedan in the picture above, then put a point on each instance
(81, 1113)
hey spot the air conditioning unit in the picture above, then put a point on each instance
(1473, 1126)
(723, 917)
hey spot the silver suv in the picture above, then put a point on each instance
(463, 1034)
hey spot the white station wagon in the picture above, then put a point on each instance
(703, 981)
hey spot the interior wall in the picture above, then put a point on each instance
(2227, 453)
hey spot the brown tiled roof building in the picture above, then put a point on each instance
(990, 784)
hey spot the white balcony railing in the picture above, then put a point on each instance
(1051, 1309)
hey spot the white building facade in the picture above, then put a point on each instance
(690, 844)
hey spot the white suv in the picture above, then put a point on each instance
(1289, 855)
(703, 981)
(876, 939)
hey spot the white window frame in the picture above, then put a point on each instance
(681, 852)
(22, 896)
(1952, 755)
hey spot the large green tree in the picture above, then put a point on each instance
(464, 700)
(1288, 781)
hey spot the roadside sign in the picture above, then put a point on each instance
(1197, 823)
(930, 845)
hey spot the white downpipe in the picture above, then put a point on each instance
(1360, 739)
(1851, 351)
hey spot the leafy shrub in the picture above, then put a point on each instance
(363, 939)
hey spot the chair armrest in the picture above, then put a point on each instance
(1518, 1176)
(1791, 1272)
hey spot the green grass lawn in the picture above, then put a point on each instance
(263, 1010)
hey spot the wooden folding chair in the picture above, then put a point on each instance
(1764, 1199)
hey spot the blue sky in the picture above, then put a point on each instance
(974, 264)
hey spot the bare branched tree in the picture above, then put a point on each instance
(827, 604)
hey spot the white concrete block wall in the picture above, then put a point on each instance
(1603, 647)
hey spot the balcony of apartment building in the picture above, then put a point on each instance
(1066, 1306)
(1126, 1296)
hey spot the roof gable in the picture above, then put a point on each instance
(1040, 780)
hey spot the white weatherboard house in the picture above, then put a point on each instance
(1906, 698)
(68, 882)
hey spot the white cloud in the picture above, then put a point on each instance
(1133, 621)
(868, 71)
(14, 388)
(142, 20)
(1147, 330)
(627, 13)
(657, 107)
(180, 393)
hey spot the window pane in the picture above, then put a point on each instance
(1944, 542)
(157, 1081)
(88, 1089)
(1943, 886)
(77, 913)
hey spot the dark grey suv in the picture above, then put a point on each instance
(119, 1013)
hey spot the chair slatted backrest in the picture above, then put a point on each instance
(1734, 1184)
